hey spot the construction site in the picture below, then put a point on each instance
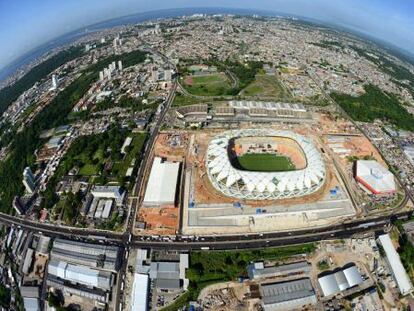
(160, 211)
(208, 211)
(189, 202)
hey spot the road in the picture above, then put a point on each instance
(139, 183)
(196, 242)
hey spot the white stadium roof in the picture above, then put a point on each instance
(373, 176)
(162, 183)
(263, 185)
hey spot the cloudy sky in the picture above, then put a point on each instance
(26, 24)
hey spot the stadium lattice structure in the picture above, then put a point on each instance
(251, 185)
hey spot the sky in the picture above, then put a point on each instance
(26, 24)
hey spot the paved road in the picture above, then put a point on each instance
(260, 243)
(137, 190)
(238, 241)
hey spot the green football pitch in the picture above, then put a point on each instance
(265, 162)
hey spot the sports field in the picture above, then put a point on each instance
(207, 85)
(265, 162)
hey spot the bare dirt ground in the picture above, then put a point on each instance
(160, 220)
(172, 146)
(39, 266)
(328, 124)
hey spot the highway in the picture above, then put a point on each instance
(182, 242)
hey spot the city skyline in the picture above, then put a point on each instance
(232, 158)
(381, 19)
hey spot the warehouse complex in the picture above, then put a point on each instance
(255, 185)
(92, 255)
(162, 183)
(375, 178)
(80, 274)
(83, 269)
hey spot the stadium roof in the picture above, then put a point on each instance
(373, 176)
(397, 269)
(162, 183)
(243, 104)
(341, 280)
(263, 185)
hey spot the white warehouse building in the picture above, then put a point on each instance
(140, 292)
(339, 281)
(162, 183)
(396, 267)
(253, 185)
(78, 274)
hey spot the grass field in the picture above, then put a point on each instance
(265, 85)
(88, 170)
(265, 163)
(183, 100)
(207, 85)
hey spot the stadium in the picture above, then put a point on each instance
(264, 164)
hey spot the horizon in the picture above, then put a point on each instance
(10, 58)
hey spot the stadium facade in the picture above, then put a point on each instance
(252, 185)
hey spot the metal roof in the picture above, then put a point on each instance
(165, 270)
(339, 281)
(140, 292)
(80, 274)
(31, 304)
(375, 177)
(256, 270)
(394, 261)
(285, 291)
(162, 183)
(352, 276)
(167, 283)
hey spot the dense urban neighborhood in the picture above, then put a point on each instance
(209, 162)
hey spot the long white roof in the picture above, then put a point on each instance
(398, 271)
(162, 183)
(271, 184)
(375, 177)
(140, 292)
(79, 274)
